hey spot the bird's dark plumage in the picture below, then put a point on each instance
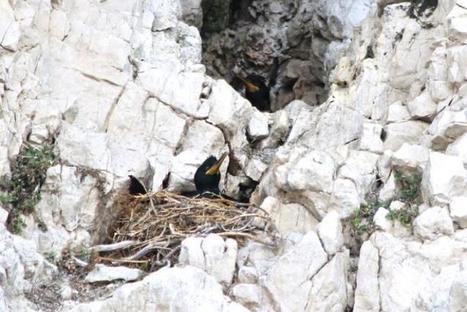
(257, 92)
(136, 187)
(208, 176)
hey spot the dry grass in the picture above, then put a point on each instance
(150, 228)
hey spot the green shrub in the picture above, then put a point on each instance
(409, 192)
(22, 192)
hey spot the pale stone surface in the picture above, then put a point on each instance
(397, 112)
(21, 267)
(458, 210)
(432, 223)
(346, 196)
(258, 126)
(381, 221)
(388, 191)
(422, 106)
(289, 217)
(402, 263)
(248, 295)
(371, 138)
(458, 292)
(9, 28)
(447, 127)
(181, 289)
(212, 254)
(403, 132)
(247, 275)
(443, 178)
(106, 78)
(459, 148)
(288, 280)
(329, 290)
(360, 167)
(330, 233)
(310, 171)
(410, 157)
(104, 273)
(367, 291)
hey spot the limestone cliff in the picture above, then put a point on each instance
(362, 164)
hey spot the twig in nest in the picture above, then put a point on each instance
(113, 247)
(157, 233)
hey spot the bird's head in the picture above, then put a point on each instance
(207, 175)
(252, 83)
(213, 165)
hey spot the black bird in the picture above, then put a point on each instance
(257, 92)
(208, 176)
(136, 187)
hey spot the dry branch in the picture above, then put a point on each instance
(150, 228)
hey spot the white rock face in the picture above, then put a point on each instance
(21, 268)
(258, 127)
(391, 264)
(289, 217)
(367, 291)
(329, 290)
(422, 106)
(330, 233)
(288, 280)
(449, 125)
(212, 254)
(311, 171)
(443, 178)
(248, 295)
(180, 289)
(403, 132)
(9, 28)
(432, 223)
(459, 148)
(458, 210)
(103, 273)
(121, 87)
(410, 157)
(371, 138)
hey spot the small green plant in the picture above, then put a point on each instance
(405, 216)
(17, 224)
(5, 198)
(362, 221)
(51, 256)
(410, 194)
(29, 171)
(409, 187)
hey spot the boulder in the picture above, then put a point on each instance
(443, 178)
(181, 289)
(330, 233)
(458, 210)
(459, 148)
(432, 223)
(211, 254)
(289, 279)
(104, 273)
(289, 217)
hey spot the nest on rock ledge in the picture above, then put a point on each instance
(150, 228)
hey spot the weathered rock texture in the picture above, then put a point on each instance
(293, 44)
(119, 88)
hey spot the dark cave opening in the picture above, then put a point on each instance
(283, 43)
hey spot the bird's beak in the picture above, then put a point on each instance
(216, 167)
(251, 87)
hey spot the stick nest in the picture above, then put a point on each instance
(150, 228)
